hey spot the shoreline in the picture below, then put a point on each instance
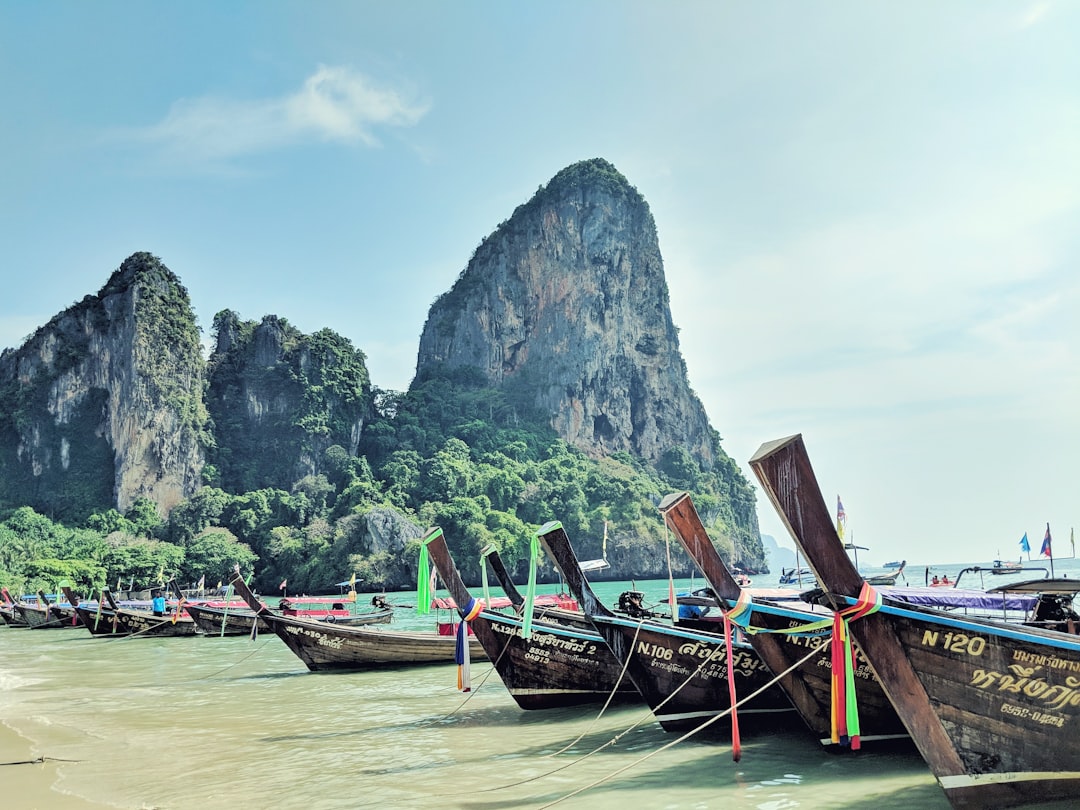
(29, 783)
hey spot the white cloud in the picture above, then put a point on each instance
(335, 104)
(1034, 15)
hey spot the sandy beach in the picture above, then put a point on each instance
(28, 784)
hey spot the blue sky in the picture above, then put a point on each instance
(867, 211)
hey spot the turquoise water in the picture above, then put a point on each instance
(226, 722)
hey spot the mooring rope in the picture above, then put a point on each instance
(607, 702)
(675, 742)
(471, 692)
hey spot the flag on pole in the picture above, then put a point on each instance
(1024, 545)
(284, 582)
(1046, 550)
(841, 518)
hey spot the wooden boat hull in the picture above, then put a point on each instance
(808, 684)
(681, 674)
(36, 617)
(558, 665)
(104, 623)
(994, 708)
(214, 621)
(322, 646)
(125, 622)
(142, 623)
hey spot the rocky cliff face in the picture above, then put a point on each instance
(279, 399)
(103, 405)
(568, 298)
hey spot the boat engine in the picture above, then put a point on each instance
(631, 603)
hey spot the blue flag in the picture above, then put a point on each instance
(1045, 550)
(1024, 546)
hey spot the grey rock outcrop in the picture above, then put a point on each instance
(103, 404)
(279, 399)
(567, 299)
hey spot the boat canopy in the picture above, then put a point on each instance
(947, 598)
(541, 600)
(1062, 585)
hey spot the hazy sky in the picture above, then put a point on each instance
(868, 211)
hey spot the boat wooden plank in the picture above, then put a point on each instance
(681, 674)
(323, 646)
(809, 685)
(557, 666)
(994, 708)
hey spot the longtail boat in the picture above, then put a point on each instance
(98, 619)
(992, 706)
(544, 664)
(10, 610)
(681, 673)
(36, 615)
(323, 646)
(127, 621)
(8, 614)
(782, 645)
(231, 621)
(45, 614)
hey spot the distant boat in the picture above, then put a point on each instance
(797, 576)
(1006, 567)
(893, 564)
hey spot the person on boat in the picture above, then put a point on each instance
(935, 580)
(157, 604)
(945, 580)
(379, 602)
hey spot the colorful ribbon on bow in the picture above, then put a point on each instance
(845, 708)
(461, 645)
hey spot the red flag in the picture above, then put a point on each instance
(1045, 550)
(284, 582)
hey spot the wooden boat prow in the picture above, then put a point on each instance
(555, 665)
(808, 686)
(992, 707)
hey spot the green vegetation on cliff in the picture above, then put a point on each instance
(279, 399)
(449, 452)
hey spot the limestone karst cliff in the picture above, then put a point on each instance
(103, 404)
(568, 299)
(279, 399)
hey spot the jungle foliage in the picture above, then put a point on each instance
(449, 452)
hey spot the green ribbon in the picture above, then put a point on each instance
(423, 583)
(484, 552)
(530, 590)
